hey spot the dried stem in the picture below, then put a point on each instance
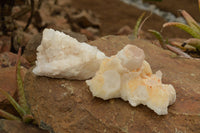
(30, 18)
(178, 51)
(142, 23)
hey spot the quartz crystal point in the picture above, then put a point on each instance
(61, 56)
(128, 76)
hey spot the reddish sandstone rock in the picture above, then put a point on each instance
(85, 19)
(68, 106)
(8, 59)
(125, 30)
(10, 126)
(9, 84)
(8, 80)
(5, 44)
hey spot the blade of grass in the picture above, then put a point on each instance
(140, 27)
(183, 27)
(18, 108)
(8, 116)
(159, 37)
(136, 28)
(20, 87)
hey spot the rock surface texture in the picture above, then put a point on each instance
(61, 105)
(8, 126)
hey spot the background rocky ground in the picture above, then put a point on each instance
(89, 20)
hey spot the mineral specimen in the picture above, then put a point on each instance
(61, 56)
(128, 76)
(125, 75)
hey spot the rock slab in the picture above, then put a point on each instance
(11, 126)
(61, 105)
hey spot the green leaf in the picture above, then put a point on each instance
(197, 26)
(159, 37)
(20, 90)
(18, 108)
(184, 27)
(20, 87)
(191, 22)
(136, 28)
(8, 116)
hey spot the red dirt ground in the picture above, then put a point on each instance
(114, 14)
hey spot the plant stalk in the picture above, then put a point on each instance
(8, 116)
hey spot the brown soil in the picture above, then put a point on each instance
(191, 6)
(114, 14)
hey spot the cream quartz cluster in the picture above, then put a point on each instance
(61, 56)
(128, 76)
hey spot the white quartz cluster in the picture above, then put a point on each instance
(61, 56)
(128, 76)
